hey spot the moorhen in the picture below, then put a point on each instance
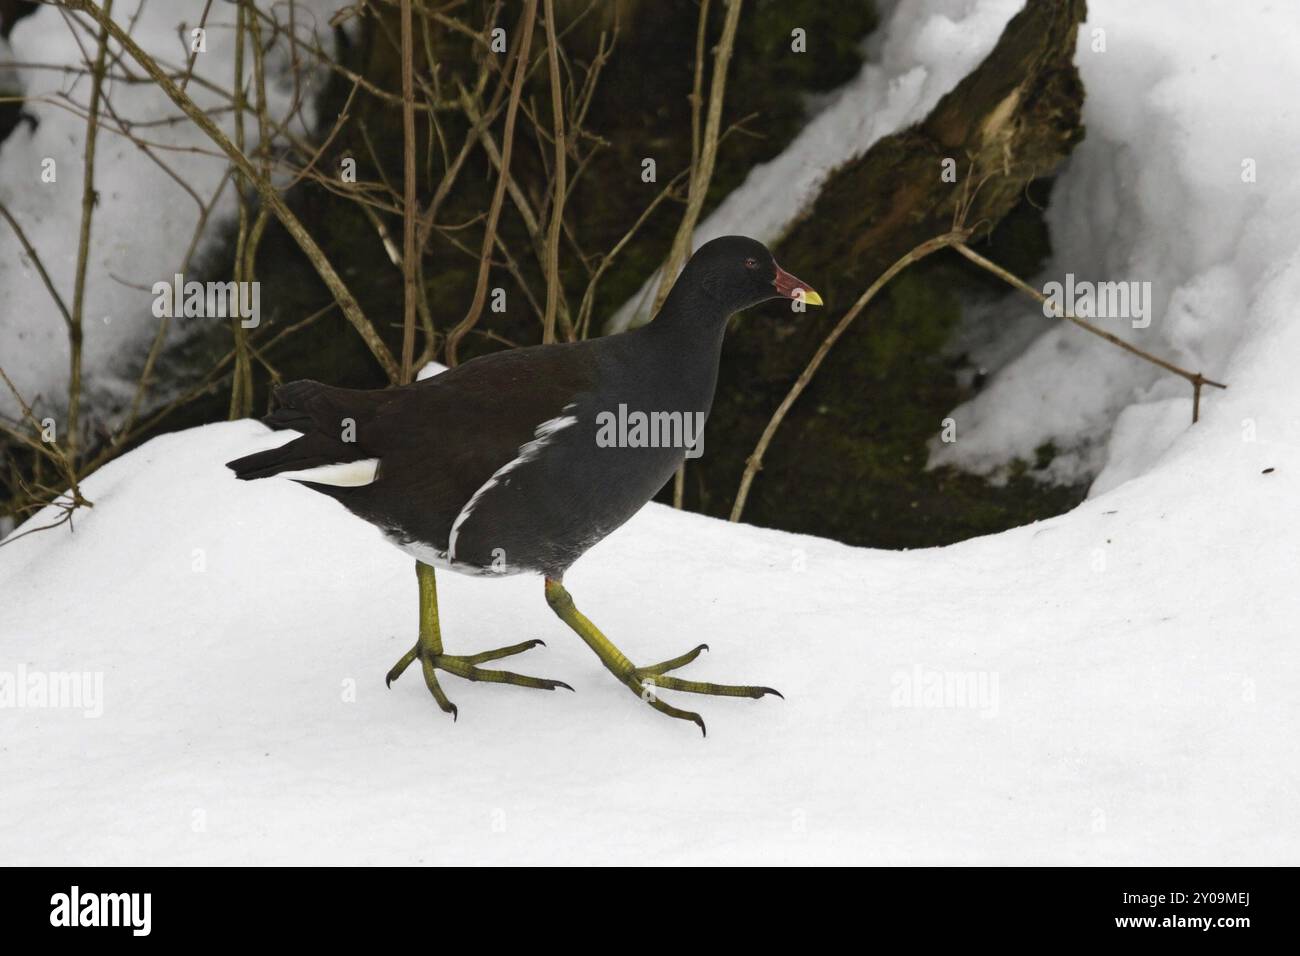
(520, 461)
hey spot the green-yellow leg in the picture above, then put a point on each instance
(428, 649)
(643, 681)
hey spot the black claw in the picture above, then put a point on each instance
(772, 690)
(703, 730)
(703, 647)
(538, 640)
(455, 712)
(388, 682)
(560, 683)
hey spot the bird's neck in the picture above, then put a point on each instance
(692, 317)
(688, 332)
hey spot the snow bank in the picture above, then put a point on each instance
(144, 220)
(923, 51)
(1130, 668)
(1185, 181)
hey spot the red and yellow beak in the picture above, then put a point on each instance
(792, 288)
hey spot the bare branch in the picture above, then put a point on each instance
(411, 207)
(702, 172)
(553, 291)
(89, 199)
(494, 213)
(1195, 378)
(347, 302)
(755, 460)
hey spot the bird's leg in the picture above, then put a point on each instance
(642, 681)
(429, 651)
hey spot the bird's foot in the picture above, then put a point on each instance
(466, 666)
(646, 680)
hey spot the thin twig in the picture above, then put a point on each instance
(702, 171)
(241, 381)
(553, 290)
(410, 203)
(955, 239)
(489, 237)
(703, 155)
(36, 261)
(89, 199)
(697, 84)
(347, 302)
(1195, 378)
(755, 460)
(194, 50)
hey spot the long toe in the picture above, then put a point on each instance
(464, 667)
(431, 681)
(509, 677)
(396, 670)
(666, 708)
(671, 665)
(500, 652)
(703, 687)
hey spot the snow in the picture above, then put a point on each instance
(1138, 653)
(1181, 97)
(1133, 661)
(144, 220)
(925, 48)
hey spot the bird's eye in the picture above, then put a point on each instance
(751, 263)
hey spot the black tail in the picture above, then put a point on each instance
(309, 451)
(316, 447)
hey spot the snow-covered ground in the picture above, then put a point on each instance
(1132, 664)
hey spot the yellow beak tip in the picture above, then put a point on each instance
(811, 297)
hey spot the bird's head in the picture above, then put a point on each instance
(740, 272)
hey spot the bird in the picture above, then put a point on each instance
(521, 460)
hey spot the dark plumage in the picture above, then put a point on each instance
(496, 466)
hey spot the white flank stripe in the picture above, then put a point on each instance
(347, 474)
(541, 438)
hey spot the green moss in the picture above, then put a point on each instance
(850, 460)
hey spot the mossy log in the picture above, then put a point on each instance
(1011, 121)
(849, 460)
